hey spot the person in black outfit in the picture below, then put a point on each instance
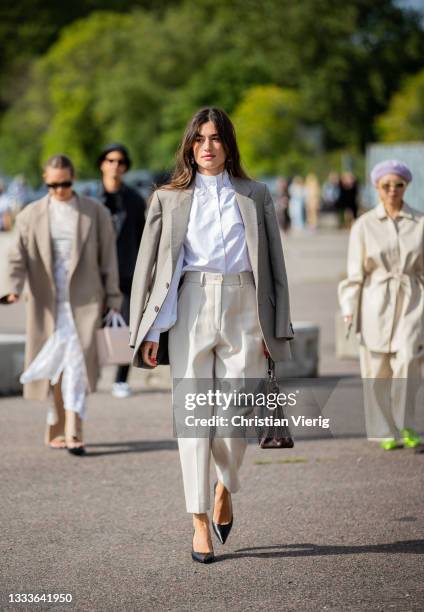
(127, 208)
(347, 202)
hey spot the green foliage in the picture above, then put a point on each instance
(282, 69)
(221, 82)
(342, 57)
(266, 120)
(97, 84)
(29, 27)
(404, 119)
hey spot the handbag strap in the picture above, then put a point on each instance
(114, 319)
(271, 369)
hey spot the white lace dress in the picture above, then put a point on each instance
(62, 353)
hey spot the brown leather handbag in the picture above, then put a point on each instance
(276, 435)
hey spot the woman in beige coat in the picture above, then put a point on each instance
(385, 287)
(65, 250)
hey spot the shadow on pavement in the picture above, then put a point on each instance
(130, 446)
(317, 550)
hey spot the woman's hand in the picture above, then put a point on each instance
(12, 298)
(348, 319)
(149, 350)
(266, 353)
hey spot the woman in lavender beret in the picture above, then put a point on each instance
(384, 288)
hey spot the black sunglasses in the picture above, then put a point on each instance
(64, 185)
(120, 162)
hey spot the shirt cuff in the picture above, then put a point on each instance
(152, 335)
(347, 309)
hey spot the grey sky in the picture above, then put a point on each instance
(415, 4)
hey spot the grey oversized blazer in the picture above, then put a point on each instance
(163, 237)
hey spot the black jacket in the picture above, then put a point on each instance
(127, 208)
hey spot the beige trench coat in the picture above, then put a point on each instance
(163, 237)
(93, 280)
(385, 282)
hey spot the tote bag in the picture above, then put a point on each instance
(112, 341)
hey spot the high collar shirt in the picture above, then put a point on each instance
(385, 281)
(214, 242)
(215, 239)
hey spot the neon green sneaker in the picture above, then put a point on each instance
(410, 438)
(390, 444)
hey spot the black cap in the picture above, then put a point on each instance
(115, 147)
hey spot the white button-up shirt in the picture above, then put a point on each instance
(215, 242)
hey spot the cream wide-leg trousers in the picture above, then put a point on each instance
(217, 336)
(391, 382)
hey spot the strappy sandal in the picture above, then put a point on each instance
(58, 443)
(75, 446)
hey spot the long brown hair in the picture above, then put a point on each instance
(185, 166)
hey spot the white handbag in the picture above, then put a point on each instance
(112, 341)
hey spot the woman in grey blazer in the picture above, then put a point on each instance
(211, 271)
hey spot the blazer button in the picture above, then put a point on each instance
(167, 285)
(156, 308)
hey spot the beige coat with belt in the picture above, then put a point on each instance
(163, 237)
(385, 282)
(93, 280)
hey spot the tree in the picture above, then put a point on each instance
(267, 122)
(138, 77)
(404, 119)
(220, 82)
(342, 57)
(29, 27)
(104, 80)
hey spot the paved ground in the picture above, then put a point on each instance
(333, 524)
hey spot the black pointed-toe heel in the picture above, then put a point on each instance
(222, 531)
(208, 557)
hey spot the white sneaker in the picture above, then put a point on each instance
(121, 390)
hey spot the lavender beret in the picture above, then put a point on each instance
(391, 166)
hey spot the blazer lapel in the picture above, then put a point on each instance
(247, 207)
(83, 228)
(180, 217)
(42, 236)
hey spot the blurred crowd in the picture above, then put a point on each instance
(16, 193)
(300, 201)
(13, 196)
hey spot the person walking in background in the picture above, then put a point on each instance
(330, 192)
(297, 202)
(282, 204)
(65, 249)
(385, 287)
(6, 207)
(219, 229)
(312, 200)
(348, 199)
(127, 208)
